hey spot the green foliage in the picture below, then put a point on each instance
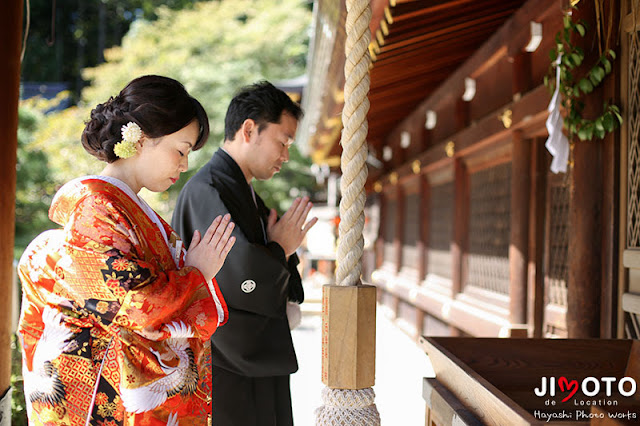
(213, 48)
(66, 36)
(573, 88)
(18, 403)
(33, 186)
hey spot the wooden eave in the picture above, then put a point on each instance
(324, 95)
(416, 45)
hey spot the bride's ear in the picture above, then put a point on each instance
(143, 139)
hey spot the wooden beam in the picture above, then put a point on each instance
(519, 244)
(425, 141)
(381, 230)
(399, 231)
(465, 18)
(535, 308)
(585, 221)
(468, 313)
(585, 236)
(443, 407)
(460, 242)
(387, 75)
(611, 195)
(521, 82)
(529, 113)
(462, 114)
(423, 240)
(412, 9)
(11, 36)
(435, 48)
(518, 23)
(622, 177)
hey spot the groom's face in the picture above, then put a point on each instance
(271, 146)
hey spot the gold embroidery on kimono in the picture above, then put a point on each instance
(114, 328)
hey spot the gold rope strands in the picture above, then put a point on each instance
(354, 154)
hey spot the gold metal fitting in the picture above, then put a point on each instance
(506, 118)
(393, 178)
(380, 38)
(450, 149)
(415, 167)
(387, 15)
(384, 27)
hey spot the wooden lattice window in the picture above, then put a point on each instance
(438, 253)
(631, 325)
(389, 230)
(631, 315)
(489, 227)
(558, 266)
(633, 200)
(411, 227)
(556, 275)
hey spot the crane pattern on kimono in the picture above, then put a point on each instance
(179, 379)
(42, 383)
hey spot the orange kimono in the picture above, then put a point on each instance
(114, 329)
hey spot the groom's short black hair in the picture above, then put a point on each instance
(263, 103)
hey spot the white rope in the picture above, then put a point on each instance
(347, 407)
(354, 147)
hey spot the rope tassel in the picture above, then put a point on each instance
(348, 407)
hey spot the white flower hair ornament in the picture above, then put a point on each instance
(131, 134)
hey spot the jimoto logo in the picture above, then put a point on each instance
(585, 399)
(589, 386)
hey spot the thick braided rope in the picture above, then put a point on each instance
(354, 154)
(346, 407)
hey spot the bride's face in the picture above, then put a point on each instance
(161, 160)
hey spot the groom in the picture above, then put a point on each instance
(253, 354)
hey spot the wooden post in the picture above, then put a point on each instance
(381, 230)
(461, 226)
(612, 88)
(535, 308)
(585, 217)
(519, 244)
(425, 142)
(399, 226)
(348, 336)
(462, 114)
(11, 36)
(460, 243)
(521, 82)
(585, 236)
(424, 216)
(400, 155)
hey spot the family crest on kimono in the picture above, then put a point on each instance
(116, 314)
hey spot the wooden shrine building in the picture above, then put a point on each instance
(477, 237)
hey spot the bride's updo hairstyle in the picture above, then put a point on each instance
(159, 105)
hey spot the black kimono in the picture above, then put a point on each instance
(253, 354)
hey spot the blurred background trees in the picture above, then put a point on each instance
(96, 47)
(212, 47)
(66, 36)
